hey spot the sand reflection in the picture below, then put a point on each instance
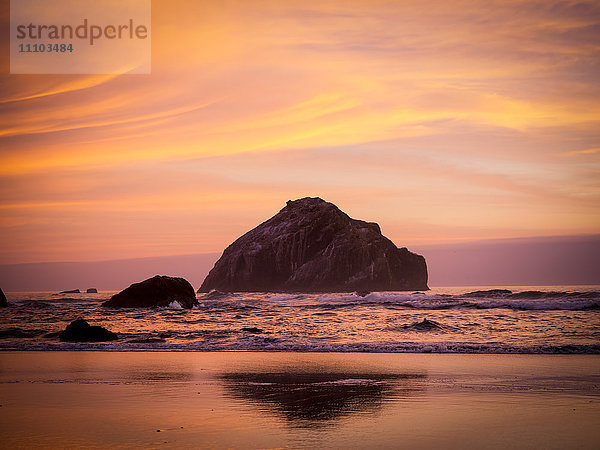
(316, 399)
(143, 376)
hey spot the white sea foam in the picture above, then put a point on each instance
(175, 305)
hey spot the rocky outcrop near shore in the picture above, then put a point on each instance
(313, 246)
(3, 301)
(158, 291)
(81, 331)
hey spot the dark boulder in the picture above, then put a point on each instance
(92, 291)
(312, 246)
(158, 291)
(3, 301)
(72, 291)
(81, 331)
(254, 330)
(424, 325)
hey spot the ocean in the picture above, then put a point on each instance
(495, 319)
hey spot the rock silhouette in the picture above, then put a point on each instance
(92, 291)
(254, 330)
(313, 246)
(158, 291)
(81, 331)
(72, 291)
(3, 301)
(424, 325)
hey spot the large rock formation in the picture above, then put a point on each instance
(312, 246)
(81, 331)
(3, 302)
(155, 292)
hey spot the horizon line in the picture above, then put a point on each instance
(438, 245)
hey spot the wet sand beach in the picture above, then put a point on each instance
(298, 400)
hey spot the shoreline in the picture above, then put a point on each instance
(298, 400)
(307, 352)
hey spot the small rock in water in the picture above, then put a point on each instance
(3, 302)
(81, 331)
(252, 330)
(425, 325)
(158, 291)
(72, 291)
(92, 291)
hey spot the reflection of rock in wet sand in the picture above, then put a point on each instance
(314, 399)
(143, 376)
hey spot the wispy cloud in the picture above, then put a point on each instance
(442, 120)
(587, 151)
(62, 87)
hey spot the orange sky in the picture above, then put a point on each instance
(442, 121)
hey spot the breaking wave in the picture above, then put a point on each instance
(492, 299)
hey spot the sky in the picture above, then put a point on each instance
(444, 122)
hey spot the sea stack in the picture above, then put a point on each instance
(81, 331)
(158, 291)
(313, 246)
(3, 301)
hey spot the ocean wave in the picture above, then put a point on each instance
(275, 345)
(491, 299)
(536, 320)
(524, 305)
(542, 305)
(485, 299)
(19, 333)
(148, 340)
(214, 295)
(37, 304)
(422, 326)
(489, 293)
